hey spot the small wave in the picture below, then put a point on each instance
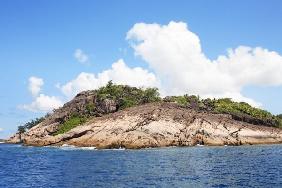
(71, 147)
(117, 149)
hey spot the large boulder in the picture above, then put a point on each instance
(107, 106)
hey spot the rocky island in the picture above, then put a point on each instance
(118, 116)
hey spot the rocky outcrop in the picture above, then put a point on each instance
(150, 125)
(84, 104)
(15, 139)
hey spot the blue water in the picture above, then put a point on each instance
(244, 166)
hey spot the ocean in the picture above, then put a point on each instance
(241, 166)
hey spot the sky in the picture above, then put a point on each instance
(51, 50)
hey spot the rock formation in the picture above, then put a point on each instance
(155, 125)
(112, 123)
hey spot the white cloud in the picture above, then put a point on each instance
(1, 129)
(175, 54)
(35, 85)
(179, 66)
(119, 73)
(80, 56)
(43, 103)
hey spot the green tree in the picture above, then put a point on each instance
(21, 129)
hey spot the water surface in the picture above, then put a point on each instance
(244, 166)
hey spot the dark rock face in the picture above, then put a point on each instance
(84, 104)
(107, 106)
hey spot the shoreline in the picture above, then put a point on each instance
(65, 146)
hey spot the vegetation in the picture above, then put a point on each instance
(127, 96)
(238, 110)
(124, 96)
(21, 129)
(245, 112)
(69, 124)
(30, 124)
(279, 117)
(190, 101)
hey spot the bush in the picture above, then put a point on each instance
(185, 101)
(30, 124)
(228, 106)
(69, 124)
(127, 96)
(246, 112)
(279, 119)
(150, 95)
(238, 110)
(34, 122)
(90, 108)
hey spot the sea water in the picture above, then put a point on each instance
(241, 166)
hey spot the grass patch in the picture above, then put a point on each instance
(71, 123)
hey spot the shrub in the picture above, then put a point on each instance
(69, 124)
(34, 122)
(238, 110)
(279, 120)
(127, 96)
(243, 110)
(150, 95)
(90, 108)
(30, 124)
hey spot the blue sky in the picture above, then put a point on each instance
(39, 38)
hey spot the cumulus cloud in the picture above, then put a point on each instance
(1, 129)
(35, 85)
(179, 66)
(41, 102)
(119, 73)
(176, 56)
(80, 56)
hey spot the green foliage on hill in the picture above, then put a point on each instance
(123, 96)
(228, 106)
(30, 124)
(244, 111)
(69, 124)
(279, 117)
(127, 96)
(191, 101)
(238, 110)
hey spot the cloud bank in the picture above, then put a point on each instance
(176, 56)
(179, 66)
(43, 103)
(119, 73)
